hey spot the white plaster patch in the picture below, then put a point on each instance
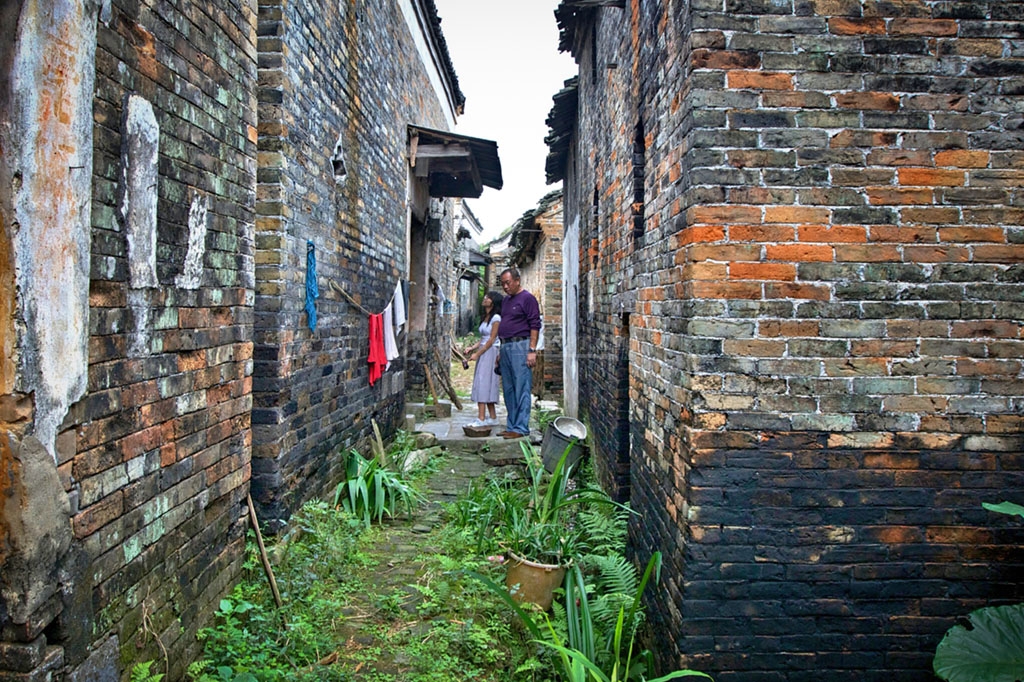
(138, 204)
(198, 216)
(53, 70)
(142, 323)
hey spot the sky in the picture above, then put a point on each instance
(505, 54)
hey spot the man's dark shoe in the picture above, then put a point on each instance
(511, 434)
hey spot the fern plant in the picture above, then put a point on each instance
(142, 672)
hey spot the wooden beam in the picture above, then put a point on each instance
(443, 151)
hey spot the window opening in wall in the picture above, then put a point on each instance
(639, 162)
(622, 431)
(338, 161)
(593, 51)
(597, 231)
(419, 272)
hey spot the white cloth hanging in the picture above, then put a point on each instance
(398, 303)
(390, 345)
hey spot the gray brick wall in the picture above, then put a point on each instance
(820, 314)
(159, 465)
(347, 72)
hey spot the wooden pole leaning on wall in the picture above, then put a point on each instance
(430, 383)
(446, 382)
(263, 552)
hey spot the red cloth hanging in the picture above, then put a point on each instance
(378, 358)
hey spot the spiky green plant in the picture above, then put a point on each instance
(371, 490)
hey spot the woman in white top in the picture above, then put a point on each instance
(485, 381)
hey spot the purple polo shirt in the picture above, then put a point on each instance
(519, 314)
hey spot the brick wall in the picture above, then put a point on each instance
(346, 76)
(540, 266)
(822, 310)
(155, 457)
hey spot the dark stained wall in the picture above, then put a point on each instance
(821, 305)
(344, 76)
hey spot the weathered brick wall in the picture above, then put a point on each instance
(550, 261)
(542, 277)
(155, 457)
(823, 316)
(346, 73)
(595, 196)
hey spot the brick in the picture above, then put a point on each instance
(875, 253)
(799, 252)
(923, 27)
(761, 233)
(891, 196)
(726, 290)
(880, 101)
(97, 515)
(930, 177)
(702, 233)
(796, 214)
(768, 271)
(724, 59)
(759, 80)
(723, 215)
(832, 233)
(972, 234)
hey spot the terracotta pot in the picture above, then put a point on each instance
(530, 582)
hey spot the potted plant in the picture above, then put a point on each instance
(539, 535)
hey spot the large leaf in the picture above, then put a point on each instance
(991, 651)
(1005, 508)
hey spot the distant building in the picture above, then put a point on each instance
(534, 246)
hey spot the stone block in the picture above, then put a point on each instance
(22, 657)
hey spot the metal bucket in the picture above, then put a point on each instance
(561, 434)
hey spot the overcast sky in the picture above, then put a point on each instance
(506, 56)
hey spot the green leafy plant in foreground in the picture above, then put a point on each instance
(585, 652)
(992, 650)
(371, 490)
(540, 524)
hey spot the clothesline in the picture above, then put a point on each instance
(347, 297)
(383, 347)
(354, 303)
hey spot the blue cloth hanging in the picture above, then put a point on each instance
(312, 289)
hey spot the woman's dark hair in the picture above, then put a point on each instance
(496, 299)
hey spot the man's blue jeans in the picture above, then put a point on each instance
(516, 384)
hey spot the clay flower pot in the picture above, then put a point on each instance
(530, 582)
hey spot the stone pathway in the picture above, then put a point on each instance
(401, 543)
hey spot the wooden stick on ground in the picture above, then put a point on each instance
(263, 552)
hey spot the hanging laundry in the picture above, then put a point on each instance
(312, 289)
(377, 357)
(398, 301)
(390, 345)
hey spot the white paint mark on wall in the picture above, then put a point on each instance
(139, 156)
(570, 314)
(52, 87)
(198, 214)
(142, 323)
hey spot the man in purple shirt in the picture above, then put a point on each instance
(518, 330)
